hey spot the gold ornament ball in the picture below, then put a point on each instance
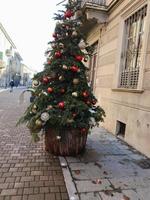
(35, 83)
(61, 78)
(38, 123)
(75, 81)
(82, 45)
(69, 121)
(61, 45)
(34, 111)
(78, 13)
(75, 94)
(74, 33)
(49, 107)
(34, 106)
(65, 67)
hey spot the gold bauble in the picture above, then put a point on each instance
(49, 107)
(34, 111)
(61, 78)
(34, 106)
(38, 123)
(64, 67)
(75, 94)
(75, 81)
(74, 33)
(69, 121)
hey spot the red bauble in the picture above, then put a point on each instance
(85, 94)
(55, 35)
(94, 101)
(88, 103)
(74, 114)
(61, 105)
(83, 130)
(48, 62)
(58, 54)
(49, 90)
(74, 69)
(79, 58)
(45, 80)
(68, 14)
(62, 90)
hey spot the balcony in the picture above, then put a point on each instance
(93, 12)
(94, 2)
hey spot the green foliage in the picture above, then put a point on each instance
(63, 81)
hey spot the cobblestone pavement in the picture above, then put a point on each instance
(109, 170)
(27, 172)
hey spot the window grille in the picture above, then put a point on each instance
(132, 53)
(92, 64)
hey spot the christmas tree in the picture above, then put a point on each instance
(63, 96)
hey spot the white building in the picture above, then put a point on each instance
(10, 60)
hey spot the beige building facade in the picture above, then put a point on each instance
(119, 31)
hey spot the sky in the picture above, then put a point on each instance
(30, 25)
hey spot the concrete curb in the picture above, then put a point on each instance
(3, 90)
(72, 192)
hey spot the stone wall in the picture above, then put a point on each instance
(129, 107)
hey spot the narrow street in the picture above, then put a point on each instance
(27, 172)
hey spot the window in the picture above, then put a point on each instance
(120, 129)
(92, 64)
(133, 46)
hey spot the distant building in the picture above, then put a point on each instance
(119, 31)
(26, 75)
(10, 60)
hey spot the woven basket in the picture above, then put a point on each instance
(71, 143)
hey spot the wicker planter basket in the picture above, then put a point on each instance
(71, 143)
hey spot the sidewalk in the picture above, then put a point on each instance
(109, 170)
(27, 172)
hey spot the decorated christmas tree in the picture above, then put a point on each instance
(64, 105)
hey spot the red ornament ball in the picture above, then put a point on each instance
(45, 80)
(88, 103)
(85, 94)
(79, 58)
(58, 54)
(55, 35)
(48, 62)
(61, 105)
(68, 14)
(62, 90)
(49, 90)
(84, 130)
(94, 101)
(74, 114)
(74, 69)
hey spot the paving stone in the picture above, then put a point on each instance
(130, 182)
(119, 196)
(143, 193)
(90, 196)
(4, 185)
(50, 197)
(36, 197)
(88, 186)
(16, 198)
(9, 192)
(28, 191)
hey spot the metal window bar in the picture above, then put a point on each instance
(93, 62)
(131, 57)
